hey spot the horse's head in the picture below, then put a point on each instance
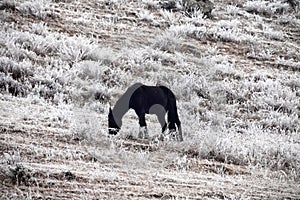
(113, 127)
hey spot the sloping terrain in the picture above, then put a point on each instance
(236, 76)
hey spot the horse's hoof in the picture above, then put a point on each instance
(174, 135)
(140, 136)
(146, 136)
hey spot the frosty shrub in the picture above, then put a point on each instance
(84, 126)
(75, 49)
(151, 5)
(232, 9)
(93, 78)
(40, 28)
(168, 41)
(36, 8)
(9, 85)
(14, 76)
(146, 16)
(288, 64)
(205, 6)
(24, 45)
(197, 18)
(223, 31)
(267, 8)
(115, 4)
(187, 30)
(170, 17)
(8, 5)
(189, 86)
(91, 70)
(18, 71)
(105, 56)
(96, 71)
(44, 43)
(46, 88)
(251, 147)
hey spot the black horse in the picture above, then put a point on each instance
(143, 99)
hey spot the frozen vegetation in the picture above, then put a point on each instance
(236, 75)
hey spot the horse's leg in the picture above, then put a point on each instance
(143, 133)
(171, 125)
(171, 121)
(162, 121)
(174, 119)
(178, 123)
(164, 127)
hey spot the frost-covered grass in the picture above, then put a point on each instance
(236, 78)
(266, 7)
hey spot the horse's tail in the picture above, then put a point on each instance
(173, 117)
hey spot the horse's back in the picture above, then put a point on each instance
(154, 95)
(158, 92)
(147, 96)
(168, 92)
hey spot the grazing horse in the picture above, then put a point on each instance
(143, 99)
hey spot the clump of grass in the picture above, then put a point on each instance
(266, 8)
(151, 5)
(68, 175)
(15, 88)
(40, 29)
(18, 71)
(102, 96)
(168, 41)
(46, 89)
(105, 56)
(225, 31)
(205, 7)
(170, 18)
(84, 126)
(21, 176)
(8, 5)
(146, 16)
(14, 77)
(252, 146)
(75, 49)
(35, 8)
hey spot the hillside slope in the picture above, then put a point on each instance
(236, 76)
